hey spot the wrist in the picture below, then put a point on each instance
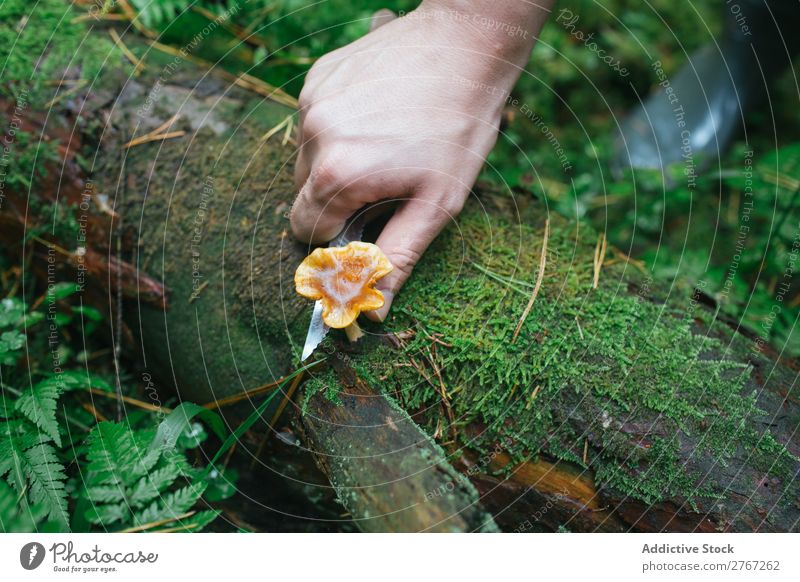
(504, 30)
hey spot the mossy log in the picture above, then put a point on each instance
(625, 403)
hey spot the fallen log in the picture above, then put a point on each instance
(625, 403)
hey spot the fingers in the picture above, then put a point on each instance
(381, 17)
(302, 169)
(319, 213)
(406, 237)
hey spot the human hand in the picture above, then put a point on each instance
(407, 113)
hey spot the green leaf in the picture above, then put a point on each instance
(11, 342)
(38, 404)
(153, 484)
(33, 468)
(250, 421)
(88, 312)
(105, 494)
(46, 476)
(12, 312)
(106, 515)
(117, 456)
(62, 291)
(20, 518)
(221, 485)
(172, 505)
(179, 420)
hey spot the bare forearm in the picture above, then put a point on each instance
(506, 28)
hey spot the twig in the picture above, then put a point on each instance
(539, 279)
(580, 330)
(585, 451)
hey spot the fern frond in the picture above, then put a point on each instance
(155, 12)
(116, 456)
(173, 504)
(106, 515)
(47, 476)
(31, 465)
(16, 518)
(153, 484)
(38, 404)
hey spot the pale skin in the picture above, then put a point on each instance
(407, 115)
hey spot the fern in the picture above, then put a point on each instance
(31, 465)
(156, 12)
(16, 518)
(38, 404)
(131, 484)
(122, 475)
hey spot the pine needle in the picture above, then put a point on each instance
(132, 401)
(253, 392)
(599, 257)
(137, 62)
(74, 89)
(580, 329)
(134, 19)
(276, 129)
(275, 417)
(157, 134)
(539, 279)
(287, 397)
(152, 524)
(243, 80)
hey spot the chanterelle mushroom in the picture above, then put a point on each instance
(343, 278)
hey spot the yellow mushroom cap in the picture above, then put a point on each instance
(343, 278)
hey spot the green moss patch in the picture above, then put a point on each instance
(622, 372)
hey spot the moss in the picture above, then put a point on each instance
(615, 361)
(39, 41)
(325, 383)
(40, 46)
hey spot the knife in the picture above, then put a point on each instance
(317, 330)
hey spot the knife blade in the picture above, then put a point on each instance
(317, 330)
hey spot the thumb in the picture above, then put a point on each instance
(403, 240)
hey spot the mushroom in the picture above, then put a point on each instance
(343, 278)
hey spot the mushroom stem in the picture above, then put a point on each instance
(353, 331)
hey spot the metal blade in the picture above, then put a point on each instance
(317, 330)
(353, 231)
